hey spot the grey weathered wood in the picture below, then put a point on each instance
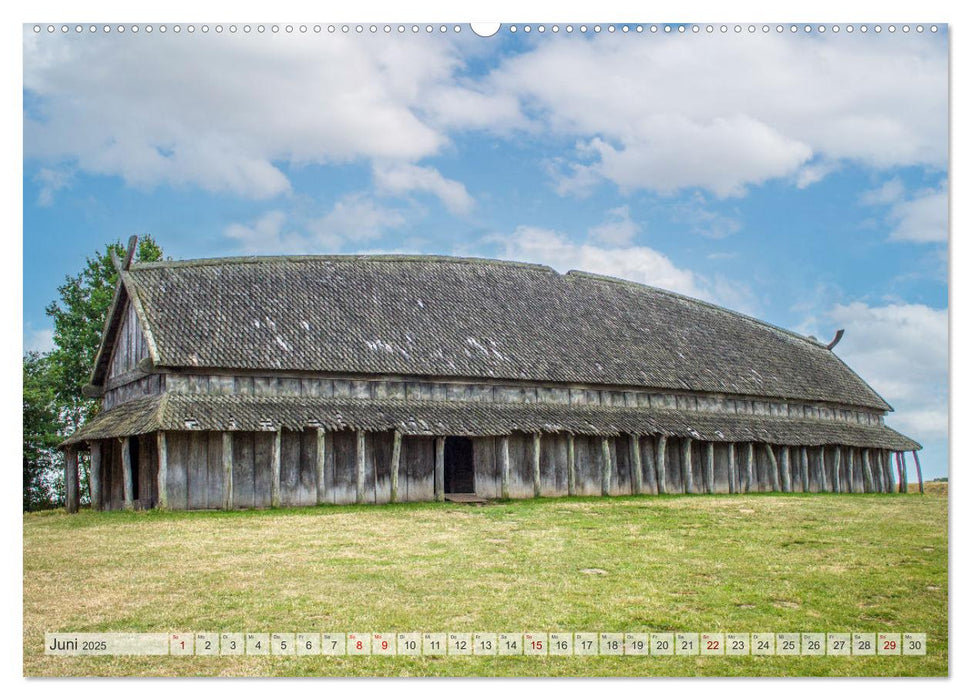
(850, 477)
(920, 476)
(773, 467)
(823, 485)
(784, 467)
(571, 465)
(749, 466)
(163, 469)
(537, 446)
(72, 496)
(360, 466)
(837, 486)
(440, 469)
(804, 468)
(635, 464)
(710, 467)
(227, 455)
(867, 472)
(732, 469)
(275, 468)
(94, 479)
(126, 472)
(687, 479)
(903, 472)
(504, 465)
(320, 465)
(888, 472)
(661, 464)
(395, 465)
(607, 467)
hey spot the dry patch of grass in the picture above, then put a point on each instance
(734, 563)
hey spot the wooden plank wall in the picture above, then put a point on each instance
(130, 345)
(195, 470)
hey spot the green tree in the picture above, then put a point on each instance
(53, 404)
(41, 425)
(79, 318)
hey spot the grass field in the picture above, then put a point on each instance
(751, 563)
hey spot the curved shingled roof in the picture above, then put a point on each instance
(461, 317)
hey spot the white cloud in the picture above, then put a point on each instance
(400, 178)
(919, 217)
(266, 235)
(922, 219)
(354, 218)
(38, 339)
(222, 112)
(618, 229)
(901, 350)
(704, 221)
(636, 263)
(888, 193)
(724, 114)
(51, 180)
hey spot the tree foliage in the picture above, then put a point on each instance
(54, 406)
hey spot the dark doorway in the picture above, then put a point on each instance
(459, 471)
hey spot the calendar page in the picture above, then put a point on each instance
(513, 349)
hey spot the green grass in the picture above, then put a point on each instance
(813, 563)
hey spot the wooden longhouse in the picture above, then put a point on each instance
(277, 381)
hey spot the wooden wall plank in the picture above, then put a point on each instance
(486, 462)
(178, 471)
(264, 447)
(306, 492)
(418, 459)
(244, 469)
(214, 470)
(290, 447)
(380, 446)
(198, 470)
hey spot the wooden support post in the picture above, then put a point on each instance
(687, 478)
(504, 456)
(72, 496)
(607, 467)
(126, 474)
(360, 463)
(887, 472)
(900, 476)
(320, 466)
(836, 469)
(749, 466)
(571, 464)
(94, 480)
(661, 464)
(867, 472)
(786, 471)
(920, 476)
(395, 465)
(163, 469)
(440, 469)
(851, 486)
(773, 467)
(804, 468)
(732, 469)
(228, 498)
(275, 469)
(823, 481)
(537, 446)
(877, 470)
(710, 467)
(635, 464)
(903, 472)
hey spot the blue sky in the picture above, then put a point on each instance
(801, 178)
